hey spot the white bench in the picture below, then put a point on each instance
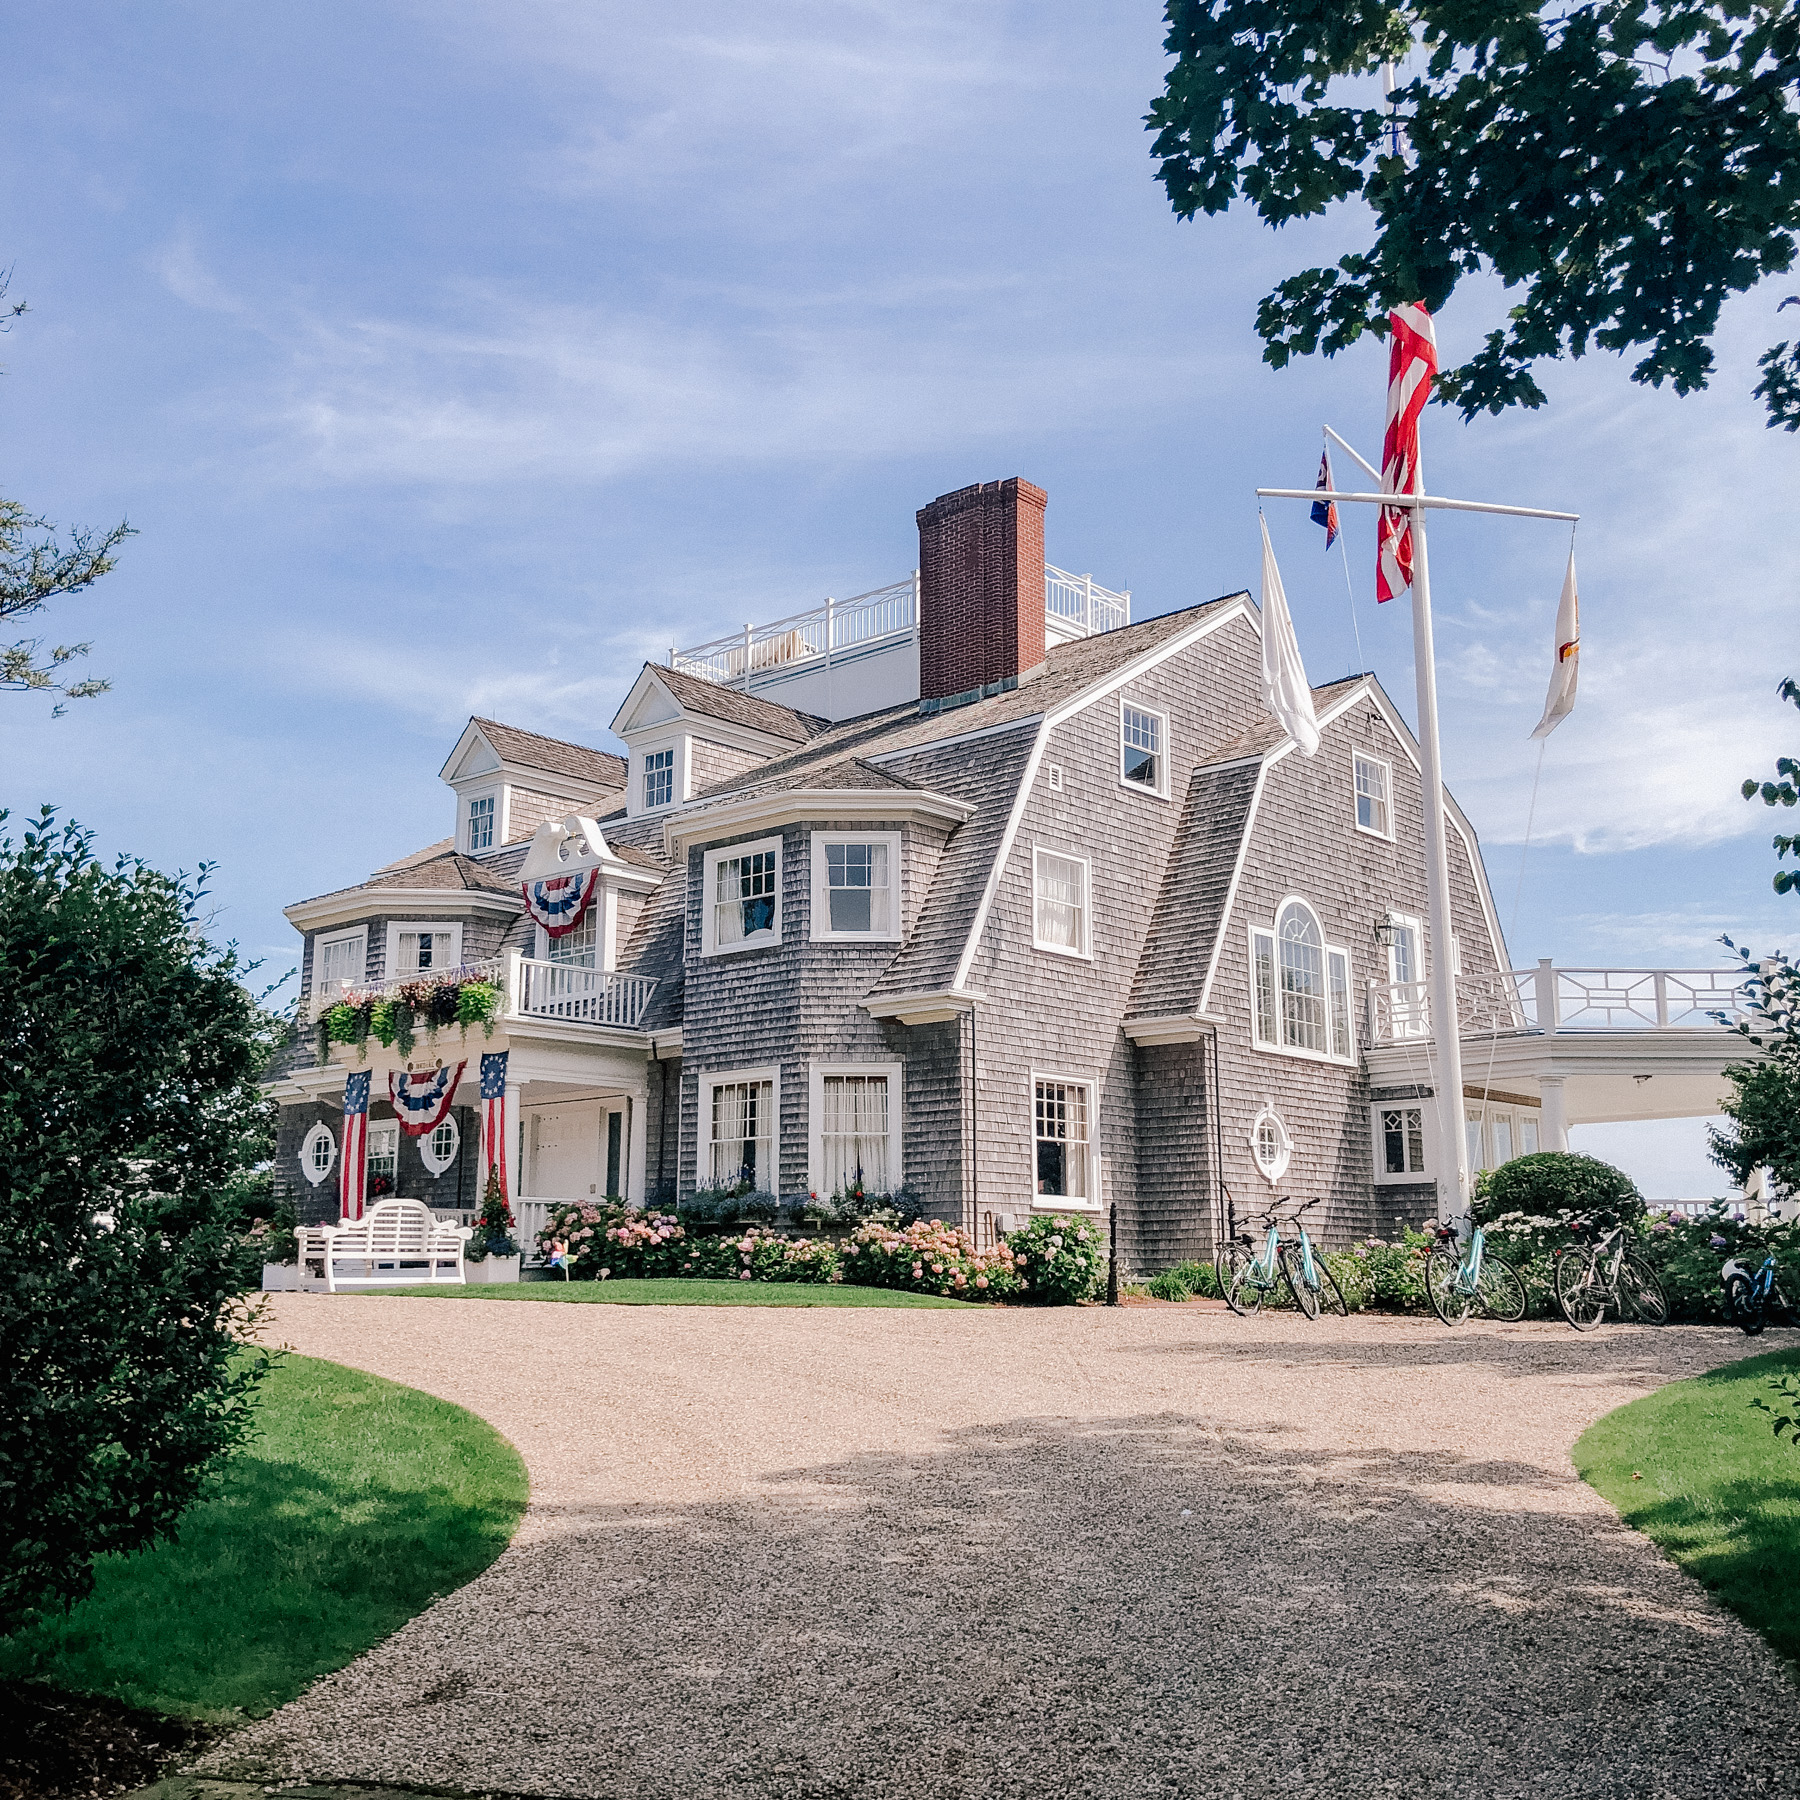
(397, 1243)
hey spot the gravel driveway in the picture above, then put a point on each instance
(1134, 1552)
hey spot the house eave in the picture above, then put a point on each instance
(358, 903)
(1171, 1028)
(734, 818)
(931, 1008)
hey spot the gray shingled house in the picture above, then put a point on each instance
(967, 883)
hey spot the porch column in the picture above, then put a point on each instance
(637, 1113)
(515, 1138)
(1556, 1113)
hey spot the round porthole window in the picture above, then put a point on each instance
(437, 1149)
(1270, 1145)
(318, 1151)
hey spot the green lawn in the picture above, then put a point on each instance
(1719, 1492)
(359, 1502)
(680, 1291)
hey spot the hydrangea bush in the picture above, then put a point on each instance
(930, 1257)
(1062, 1258)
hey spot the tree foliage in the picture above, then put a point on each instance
(1625, 166)
(1763, 1109)
(129, 1061)
(1784, 790)
(35, 570)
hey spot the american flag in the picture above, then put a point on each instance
(353, 1171)
(493, 1118)
(1412, 361)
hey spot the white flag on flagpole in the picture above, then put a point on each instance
(1286, 691)
(1560, 701)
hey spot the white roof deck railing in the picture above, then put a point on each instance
(881, 615)
(1547, 999)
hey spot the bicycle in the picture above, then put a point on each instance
(1588, 1281)
(1750, 1298)
(1244, 1278)
(1457, 1282)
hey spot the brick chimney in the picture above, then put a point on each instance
(981, 591)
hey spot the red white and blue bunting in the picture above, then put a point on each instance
(561, 903)
(421, 1101)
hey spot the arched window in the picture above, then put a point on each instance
(1300, 985)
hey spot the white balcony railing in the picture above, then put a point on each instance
(550, 990)
(532, 989)
(883, 614)
(1548, 999)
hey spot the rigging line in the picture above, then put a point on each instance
(1350, 591)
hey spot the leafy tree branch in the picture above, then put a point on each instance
(35, 570)
(1623, 166)
(1784, 790)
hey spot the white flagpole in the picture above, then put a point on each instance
(1446, 1027)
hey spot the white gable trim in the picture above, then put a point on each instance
(1231, 891)
(650, 706)
(1101, 690)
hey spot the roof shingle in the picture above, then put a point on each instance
(555, 756)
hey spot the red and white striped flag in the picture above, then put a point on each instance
(1412, 361)
(353, 1170)
(493, 1118)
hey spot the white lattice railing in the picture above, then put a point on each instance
(548, 990)
(1549, 999)
(883, 613)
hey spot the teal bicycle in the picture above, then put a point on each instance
(1247, 1275)
(1470, 1280)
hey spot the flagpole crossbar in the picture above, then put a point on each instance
(1414, 500)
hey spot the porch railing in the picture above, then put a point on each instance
(548, 990)
(882, 614)
(492, 969)
(1549, 999)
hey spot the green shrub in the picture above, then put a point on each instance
(1063, 1259)
(1169, 1286)
(1558, 1181)
(1200, 1279)
(1352, 1277)
(930, 1257)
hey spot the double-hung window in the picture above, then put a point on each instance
(855, 882)
(577, 948)
(1400, 1143)
(481, 823)
(856, 1127)
(1060, 905)
(659, 779)
(1143, 749)
(423, 949)
(737, 1114)
(339, 964)
(1406, 976)
(1061, 1142)
(743, 897)
(384, 1156)
(1300, 986)
(1374, 781)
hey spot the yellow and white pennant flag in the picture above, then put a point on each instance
(1560, 701)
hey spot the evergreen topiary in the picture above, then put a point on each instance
(492, 1235)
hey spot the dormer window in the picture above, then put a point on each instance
(1143, 749)
(481, 824)
(659, 779)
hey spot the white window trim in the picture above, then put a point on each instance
(703, 1143)
(360, 935)
(815, 1129)
(821, 889)
(681, 743)
(1415, 1025)
(317, 1177)
(1387, 837)
(380, 1128)
(466, 799)
(1161, 790)
(1062, 1203)
(1284, 1157)
(1086, 952)
(390, 967)
(762, 940)
(1378, 1146)
(1328, 950)
(432, 1164)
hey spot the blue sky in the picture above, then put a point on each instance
(457, 358)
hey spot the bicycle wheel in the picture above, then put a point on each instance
(1293, 1272)
(1443, 1284)
(1331, 1296)
(1500, 1291)
(1640, 1293)
(1579, 1291)
(1742, 1308)
(1234, 1264)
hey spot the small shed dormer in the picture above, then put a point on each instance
(508, 782)
(686, 735)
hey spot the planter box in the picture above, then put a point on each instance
(491, 1269)
(281, 1278)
